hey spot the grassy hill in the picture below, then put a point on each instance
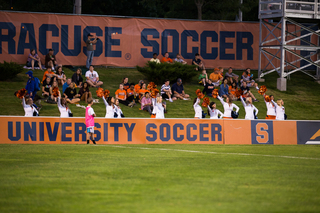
(301, 98)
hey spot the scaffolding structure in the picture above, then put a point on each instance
(275, 16)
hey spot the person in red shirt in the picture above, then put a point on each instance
(166, 59)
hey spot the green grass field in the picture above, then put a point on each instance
(160, 178)
(301, 99)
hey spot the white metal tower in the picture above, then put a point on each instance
(291, 43)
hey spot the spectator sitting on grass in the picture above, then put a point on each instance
(71, 94)
(155, 59)
(121, 95)
(52, 99)
(125, 82)
(93, 77)
(246, 91)
(221, 71)
(66, 85)
(77, 78)
(230, 75)
(203, 78)
(48, 73)
(197, 61)
(33, 60)
(60, 76)
(142, 91)
(131, 95)
(146, 103)
(208, 88)
(249, 72)
(224, 89)
(248, 79)
(46, 87)
(166, 92)
(166, 59)
(232, 91)
(216, 77)
(84, 92)
(178, 90)
(50, 60)
(179, 59)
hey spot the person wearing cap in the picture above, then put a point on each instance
(30, 85)
(216, 77)
(197, 61)
(50, 60)
(178, 90)
(90, 50)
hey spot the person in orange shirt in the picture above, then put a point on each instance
(142, 91)
(232, 91)
(166, 59)
(48, 73)
(121, 95)
(216, 77)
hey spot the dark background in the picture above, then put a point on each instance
(180, 9)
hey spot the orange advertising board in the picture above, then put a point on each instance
(127, 42)
(53, 130)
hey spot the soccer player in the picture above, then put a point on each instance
(90, 121)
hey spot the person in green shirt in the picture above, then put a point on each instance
(203, 77)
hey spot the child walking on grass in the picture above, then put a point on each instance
(90, 121)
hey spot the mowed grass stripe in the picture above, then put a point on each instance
(225, 153)
(80, 178)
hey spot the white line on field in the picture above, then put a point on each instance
(219, 153)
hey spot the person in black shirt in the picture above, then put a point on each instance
(46, 87)
(208, 88)
(77, 78)
(246, 91)
(71, 94)
(197, 61)
(84, 92)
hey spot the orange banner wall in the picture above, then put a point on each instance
(53, 130)
(127, 42)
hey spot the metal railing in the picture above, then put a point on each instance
(293, 8)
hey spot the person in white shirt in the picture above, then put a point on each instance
(93, 77)
(228, 107)
(28, 107)
(271, 108)
(159, 108)
(279, 109)
(197, 108)
(155, 59)
(117, 110)
(109, 107)
(166, 92)
(250, 109)
(63, 107)
(213, 112)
